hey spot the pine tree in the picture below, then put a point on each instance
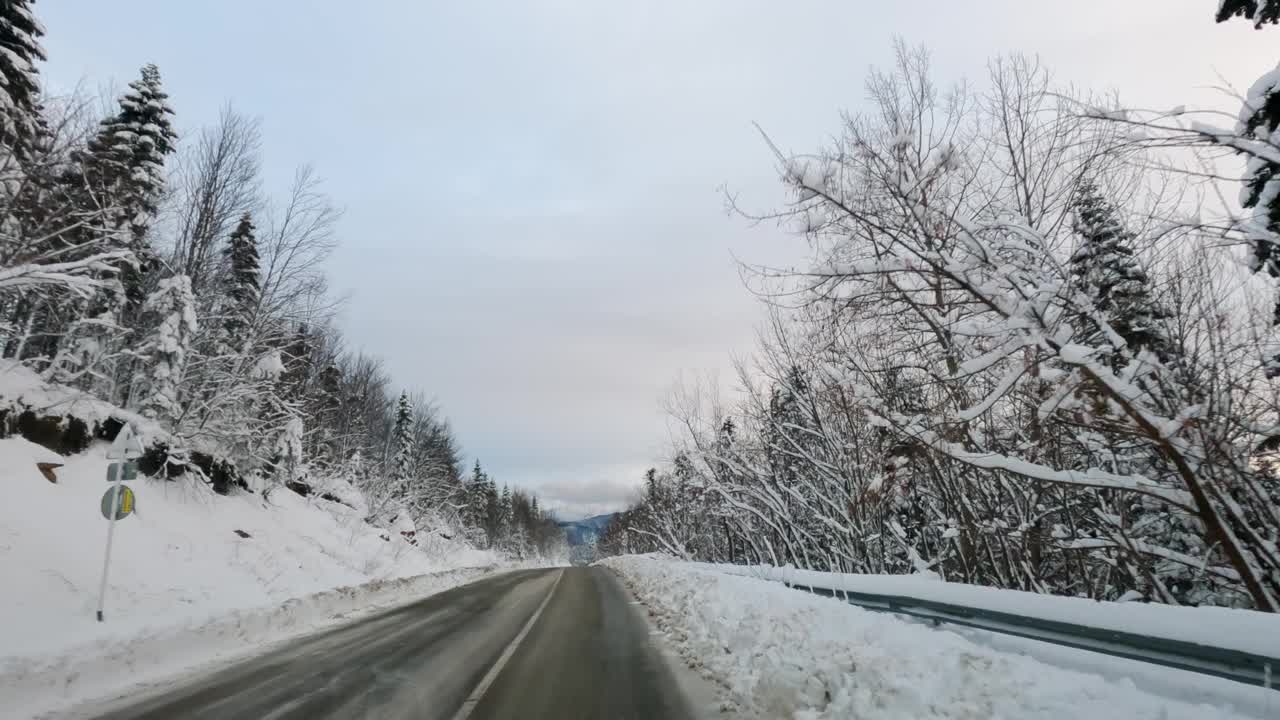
(1107, 270)
(113, 187)
(402, 463)
(289, 458)
(492, 511)
(1260, 12)
(325, 402)
(505, 516)
(23, 140)
(22, 127)
(244, 284)
(473, 505)
(355, 470)
(124, 168)
(1259, 123)
(476, 498)
(174, 306)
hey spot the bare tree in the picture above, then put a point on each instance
(946, 391)
(217, 182)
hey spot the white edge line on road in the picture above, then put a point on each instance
(464, 712)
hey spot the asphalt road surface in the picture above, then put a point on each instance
(562, 643)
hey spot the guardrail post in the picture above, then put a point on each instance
(1266, 676)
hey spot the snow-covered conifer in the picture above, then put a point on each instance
(1259, 127)
(22, 127)
(174, 306)
(1108, 271)
(244, 283)
(402, 439)
(124, 170)
(505, 517)
(1257, 137)
(126, 157)
(1260, 12)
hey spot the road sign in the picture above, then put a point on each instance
(130, 471)
(126, 446)
(118, 502)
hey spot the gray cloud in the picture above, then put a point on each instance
(590, 491)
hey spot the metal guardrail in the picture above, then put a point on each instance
(1234, 665)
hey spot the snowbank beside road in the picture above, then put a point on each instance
(188, 567)
(179, 557)
(784, 653)
(1244, 630)
(113, 666)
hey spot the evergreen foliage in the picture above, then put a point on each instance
(1106, 266)
(244, 283)
(22, 127)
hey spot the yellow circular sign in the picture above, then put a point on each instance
(120, 504)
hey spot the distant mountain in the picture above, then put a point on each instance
(586, 531)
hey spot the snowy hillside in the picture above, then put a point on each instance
(186, 557)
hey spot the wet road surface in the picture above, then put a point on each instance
(564, 643)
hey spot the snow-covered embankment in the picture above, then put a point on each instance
(196, 577)
(784, 653)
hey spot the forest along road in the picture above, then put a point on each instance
(556, 643)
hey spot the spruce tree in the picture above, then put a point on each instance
(244, 283)
(23, 136)
(1260, 12)
(22, 127)
(504, 514)
(475, 507)
(402, 463)
(174, 308)
(1107, 270)
(492, 510)
(124, 167)
(1259, 122)
(325, 402)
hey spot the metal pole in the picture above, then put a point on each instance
(111, 531)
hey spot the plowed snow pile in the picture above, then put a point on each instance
(783, 653)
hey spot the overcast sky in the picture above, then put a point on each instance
(533, 233)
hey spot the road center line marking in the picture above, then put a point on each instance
(464, 712)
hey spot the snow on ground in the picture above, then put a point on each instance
(184, 585)
(21, 389)
(1228, 628)
(783, 653)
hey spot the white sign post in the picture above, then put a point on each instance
(125, 447)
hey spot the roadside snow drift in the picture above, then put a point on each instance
(782, 653)
(189, 565)
(1227, 628)
(113, 667)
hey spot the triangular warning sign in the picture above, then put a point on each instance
(126, 446)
